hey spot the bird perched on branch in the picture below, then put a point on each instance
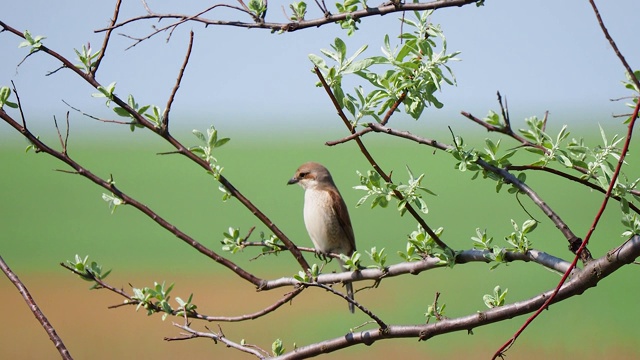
(325, 214)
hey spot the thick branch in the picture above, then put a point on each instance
(416, 267)
(591, 275)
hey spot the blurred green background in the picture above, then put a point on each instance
(49, 216)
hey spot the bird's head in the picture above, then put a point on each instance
(311, 175)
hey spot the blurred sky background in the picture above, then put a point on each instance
(541, 55)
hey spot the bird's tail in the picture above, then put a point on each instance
(350, 295)
(349, 287)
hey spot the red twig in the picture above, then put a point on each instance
(607, 195)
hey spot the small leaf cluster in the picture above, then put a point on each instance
(105, 92)
(410, 196)
(299, 9)
(413, 70)
(232, 241)
(378, 257)
(88, 271)
(518, 238)
(349, 23)
(34, 42)
(277, 347)
(272, 244)
(351, 263)
(154, 116)
(87, 59)
(205, 151)
(421, 245)
(156, 299)
(435, 311)
(186, 306)
(258, 8)
(497, 299)
(629, 84)
(112, 200)
(5, 92)
(382, 192)
(311, 275)
(467, 160)
(482, 241)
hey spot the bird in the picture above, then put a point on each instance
(325, 214)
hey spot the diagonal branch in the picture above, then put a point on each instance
(167, 109)
(582, 248)
(574, 241)
(181, 149)
(105, 42)
(584, 182)
(44, 322)
(109, 186)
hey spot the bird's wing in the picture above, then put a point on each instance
(340, 208)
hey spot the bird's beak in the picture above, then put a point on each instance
(293, 180)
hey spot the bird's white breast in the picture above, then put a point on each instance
(322, 223)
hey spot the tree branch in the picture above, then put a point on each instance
(44, 322)
(594, 272)
(327, 18)
(574, 241)
(176, 144)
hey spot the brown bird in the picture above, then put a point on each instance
(325, 214)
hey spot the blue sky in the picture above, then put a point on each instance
(541, 55)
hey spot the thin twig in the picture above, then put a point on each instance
(383, 326)
(327, 18)
(251, 349)
(105, 42)
(165, 115)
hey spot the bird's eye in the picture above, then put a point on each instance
(303, 174)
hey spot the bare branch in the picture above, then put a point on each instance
(251, 349)
(44, 322)
(165, 115)
(105, 42)
(614, 46)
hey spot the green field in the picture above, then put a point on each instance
(49, 216)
